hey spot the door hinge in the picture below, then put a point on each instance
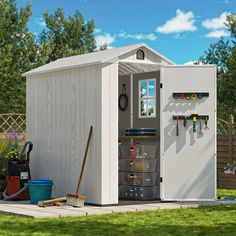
(161, 85)
(161, 179)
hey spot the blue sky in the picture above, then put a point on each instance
(179, 29)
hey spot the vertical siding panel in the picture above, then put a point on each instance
(110, 134)
(62, 106)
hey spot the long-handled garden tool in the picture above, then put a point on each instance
(206, 126)
(51, 202)
(177, 126)
(200, 127)
(194, 117)
(76, 199)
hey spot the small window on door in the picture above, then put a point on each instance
(147, 98)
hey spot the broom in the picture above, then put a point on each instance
(76, 199)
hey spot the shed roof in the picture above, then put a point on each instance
(109, 55)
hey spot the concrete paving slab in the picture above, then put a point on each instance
(33, 211)
(154, 206)
(145, 207)
(169, 206)
(90, 210)
(61, 211)
(227, 202)
(210, 203)
(28, 213)
(189, 205)
(120, 209)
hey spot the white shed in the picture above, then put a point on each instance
(67, 96)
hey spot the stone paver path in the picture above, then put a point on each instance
(24, 208)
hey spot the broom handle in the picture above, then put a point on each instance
(84, 160)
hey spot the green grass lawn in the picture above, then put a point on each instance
(219, 220)
(226, 193)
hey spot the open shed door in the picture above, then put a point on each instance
(188, 161)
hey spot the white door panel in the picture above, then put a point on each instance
(188, 161)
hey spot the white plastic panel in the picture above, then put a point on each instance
(188, 161)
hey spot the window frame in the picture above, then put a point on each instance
(147, 98)
(137, 55)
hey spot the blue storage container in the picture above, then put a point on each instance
(40, 190)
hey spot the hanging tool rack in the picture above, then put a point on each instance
(190, 117)
(193, 118)
(190, 95)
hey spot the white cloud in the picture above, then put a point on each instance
(139, 36)
(104, 39)
(183, 21)
(216, 23)
(40, 22)
(217, 34)
(190, 63)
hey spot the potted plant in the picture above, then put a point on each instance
(3, 162)
(230, 168)
(9, 149)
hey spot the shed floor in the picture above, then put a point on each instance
(24, 208)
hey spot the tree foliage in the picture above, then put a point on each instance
(223, 54)
(20, 51)
(66, 36)
(17, 55)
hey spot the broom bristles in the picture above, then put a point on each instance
(75, 200)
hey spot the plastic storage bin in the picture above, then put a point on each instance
(40, 190)
(141, 179)
(138, 151)
(138, 165)
(138, 193)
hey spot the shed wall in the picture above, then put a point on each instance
(61, 106)
(109, 132)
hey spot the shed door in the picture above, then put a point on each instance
(188, 161)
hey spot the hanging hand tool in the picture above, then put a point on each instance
(181, 96)
(206, 120)
(185, 122)
(177, 126)
(194, 116)
(194, 96)
(199, 95)
(175, 95)
(200, 127)
(187, 96)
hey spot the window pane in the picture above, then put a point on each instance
(143, 89)
(151, 88)
(143, 107)
(151, 107)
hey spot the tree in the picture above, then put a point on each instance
(66, 36)
(103, 47)
(223, 54)
(17, 54)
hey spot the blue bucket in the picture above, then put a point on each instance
(40, 190)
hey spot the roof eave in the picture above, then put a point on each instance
(30, 73)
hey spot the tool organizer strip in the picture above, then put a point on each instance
(190, 95)
(198, 117)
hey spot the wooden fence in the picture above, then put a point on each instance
(15, 124)
(226, 152)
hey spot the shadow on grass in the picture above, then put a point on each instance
(203, 221)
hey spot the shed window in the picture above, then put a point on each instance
(147, 98)
(140, 55)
